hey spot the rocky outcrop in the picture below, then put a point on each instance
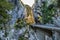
(16, 12)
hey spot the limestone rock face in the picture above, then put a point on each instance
(19, 12)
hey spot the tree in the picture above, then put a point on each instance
(4, 6)
(47, 12)
(4, 16)
(20, 23)
(58, 3)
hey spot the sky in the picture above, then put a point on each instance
(28, 2)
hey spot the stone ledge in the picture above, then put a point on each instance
(46, 27)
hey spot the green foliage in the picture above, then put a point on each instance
(4, 5)
(4, 16)
(1, 28)
(6, 34)
(47, 12)
(58, 3)
(21, 38)
(20, 23)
